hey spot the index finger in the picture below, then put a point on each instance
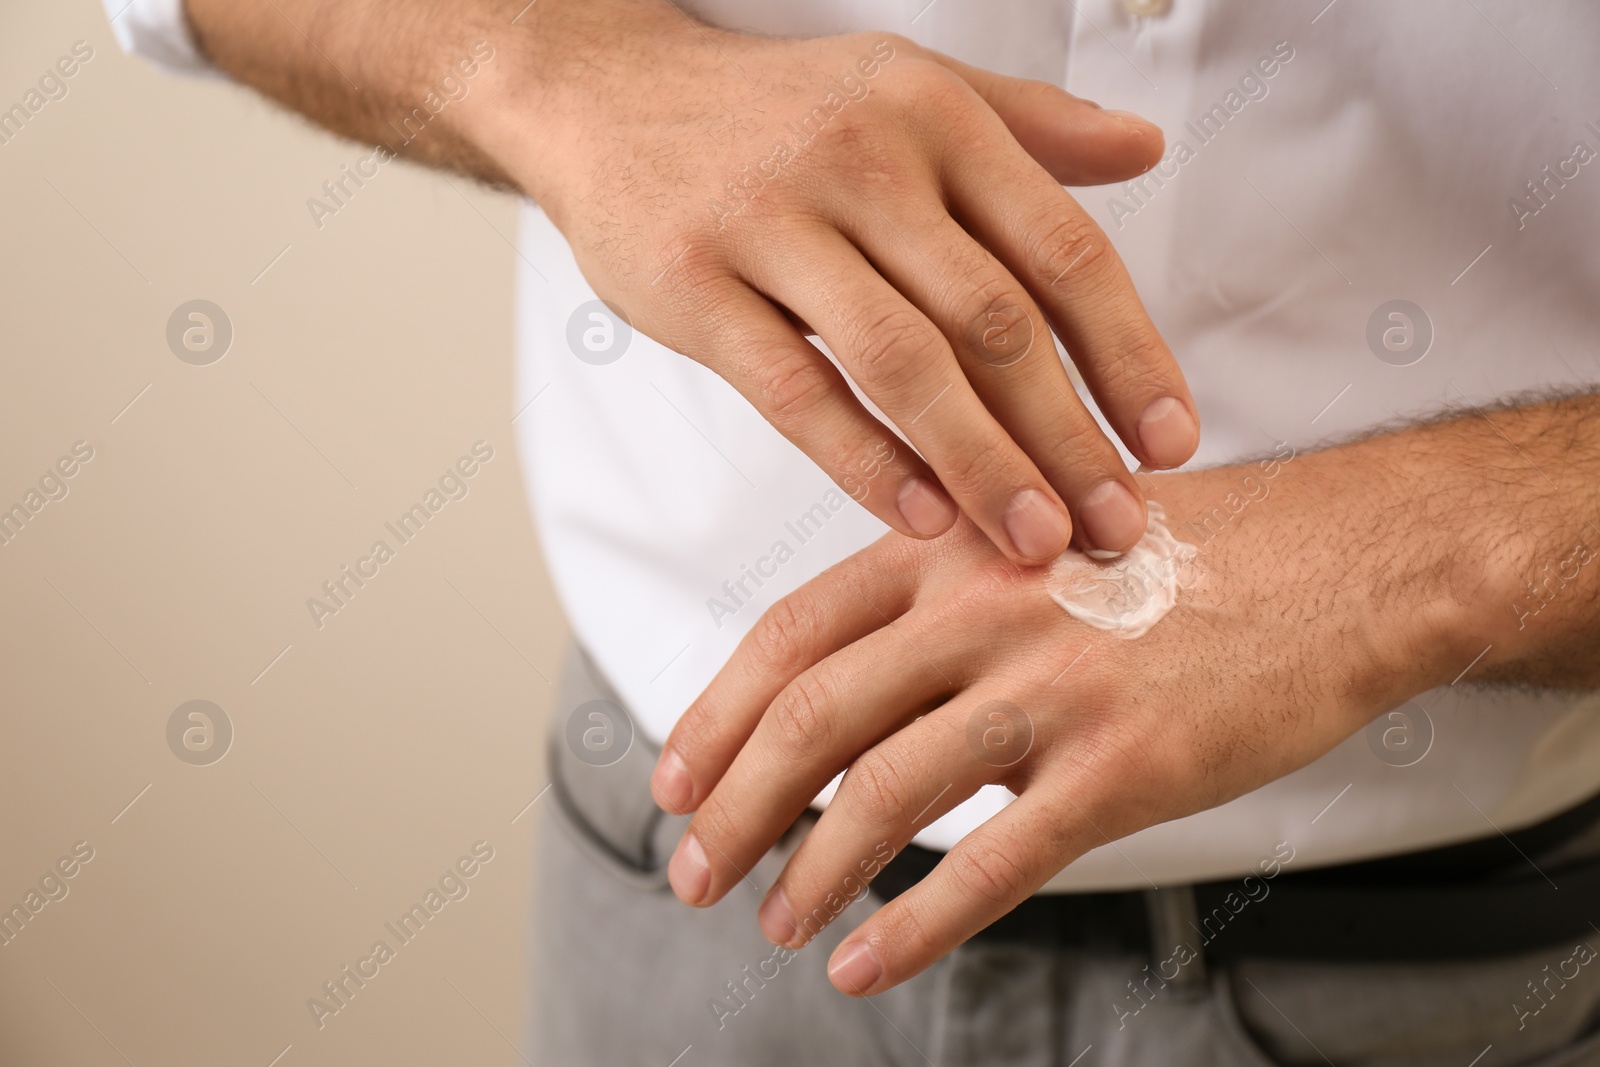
(901, 360)
(1068, 264)
(988, 873)
(842, 605)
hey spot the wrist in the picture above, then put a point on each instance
(1438, 570)
(1318, 545)
(569, 71)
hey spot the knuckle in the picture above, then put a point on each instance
(1069, 244)
(792, 387)
(803, 716)
(909, 930)
(690, 273)
(713, 825)
(890, 347)
(1079, 438)
(1078, 444)
(967, 127)
(982, 465)
(1034, 93)
(999, 321)
(782, 632)
(878, 788)
(697, 729)
(990, 296)
(942, 98)
(694, 314)
(1140, 366)
(1115, 763)
(988, 874)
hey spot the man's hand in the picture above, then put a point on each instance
(906, 208)
(1330, 587)
(729, 193)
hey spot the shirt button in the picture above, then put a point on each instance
(1146, 9)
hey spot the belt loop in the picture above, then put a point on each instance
(1176, 954)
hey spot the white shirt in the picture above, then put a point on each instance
(1380, 160)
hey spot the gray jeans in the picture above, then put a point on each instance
(624, 974)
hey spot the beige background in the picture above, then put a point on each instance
(372, 753)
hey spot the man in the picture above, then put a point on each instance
(1359, 219)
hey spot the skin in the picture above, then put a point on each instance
(1349, 581)
(923, 233)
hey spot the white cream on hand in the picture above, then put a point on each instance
(1130, 594)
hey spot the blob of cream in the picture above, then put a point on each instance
(1131, 593)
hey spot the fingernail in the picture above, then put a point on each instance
(1037, 528)
(776, 918)
(855, 969)
(1112, 519)
(672, 783)
(1168, 432)
(688, 872)
(925, 507)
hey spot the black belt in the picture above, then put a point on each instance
(1478, 899)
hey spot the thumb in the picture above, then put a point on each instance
(1074, 139)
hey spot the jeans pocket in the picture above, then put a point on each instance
(614, 820)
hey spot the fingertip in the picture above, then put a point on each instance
(1134, 125)
(1113, 519)
(925, 507)
(1145, 136)
(776, 918)
(670, 784)
(1038, 527)
(855, 969)
(1168, 432)
(688, 873)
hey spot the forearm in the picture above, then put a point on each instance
(425, 80)
(1477, 532)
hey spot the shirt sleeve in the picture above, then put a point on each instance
(159, 31)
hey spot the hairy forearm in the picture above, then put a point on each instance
(1478, 533)
(1528, 480)
(424, 80)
